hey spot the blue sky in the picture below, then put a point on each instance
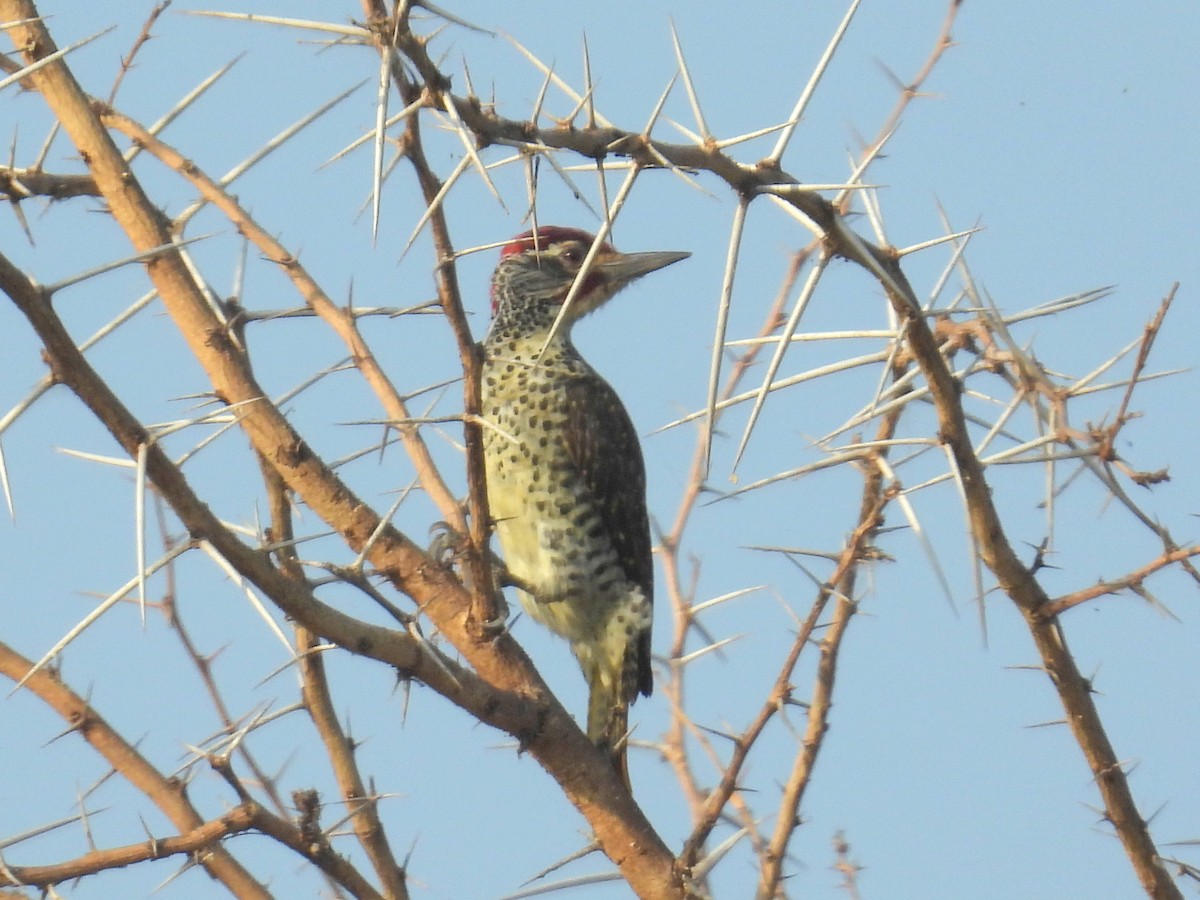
(1062, 130)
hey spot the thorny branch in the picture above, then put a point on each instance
(340, 320)
(166, 793)
(318, 700)
(705, 806)
(196, 842)
(1131, 582)
(387, 30)
(171, 606)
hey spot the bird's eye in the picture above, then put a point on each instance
(573, 255)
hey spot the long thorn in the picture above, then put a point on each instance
(53, 57)
(811, 86)
(690, 86)
(714, 369)
(793, 322)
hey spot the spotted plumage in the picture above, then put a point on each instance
(566, 480)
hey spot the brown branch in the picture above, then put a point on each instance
(840, 584)
(485, 612)
(22, 184)
(1023, 588)
(1132, 581)
(705, 809)
(675, 745)
(318, 701)
(203, 663)
(314, 847)
(143, 36)
(340, 320)
(599, 143)
(727, 790)
(847, 867)
(1107, 437)
(1025, 376)
(912, 90)
(362, 806)
(397, 649)
(875, 496)
(706, 815)
(168, 794)
(198, 841)
(304, 835)
(1139, 365)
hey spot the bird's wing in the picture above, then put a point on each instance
(603, 444)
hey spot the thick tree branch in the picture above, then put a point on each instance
(395, 648)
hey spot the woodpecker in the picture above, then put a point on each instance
(566, 481)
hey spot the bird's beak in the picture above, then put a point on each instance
(621, 268)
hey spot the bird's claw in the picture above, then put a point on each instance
(446, 542)
(446, 547)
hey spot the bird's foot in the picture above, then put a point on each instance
(447, 548)
(446, 544)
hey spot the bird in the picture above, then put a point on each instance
(566, 480)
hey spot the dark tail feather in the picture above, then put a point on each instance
(608, 725)
(608, 708)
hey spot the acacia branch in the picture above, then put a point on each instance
(203, 665)
(303, 838)
(167, 794)
(1026, 592)
(318, 701)
(22, 184)
(707, 807)
(1132, 581)
(340, 320)
(198, 842)
(1149, 335)
(707, 811)
(682, 600)
(398, 649)
(842, 585)
(484, 607)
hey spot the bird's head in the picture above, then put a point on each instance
(537, 269)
